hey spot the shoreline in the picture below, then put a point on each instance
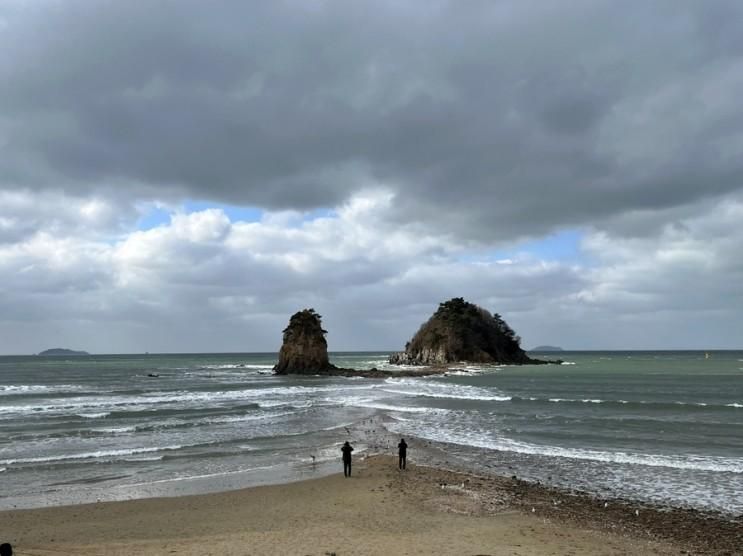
(379, 510)
(607, 525)
(441, 481)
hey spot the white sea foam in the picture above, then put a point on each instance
(194, 477)
(430, 389)
(559, 400)
(236, 366)
(271, 404)
(372, 404)
(222, 420)
(90, 455)
(99, 415)
(340, 426)
(116, 430)
(568, 363)
(178, 397)
(599, 401)
(244, 418)
(738, 405)
(484, 440)
(452, 396)
(267, 404)
(246, 366)
(17, 389)
(468, 371)
(228, 366)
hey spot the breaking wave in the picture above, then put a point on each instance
(644, 403)
(80, 404)
(23, 389)
(89, 455)
(429, 389)
(482, 440)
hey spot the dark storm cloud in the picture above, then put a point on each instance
(489, 119)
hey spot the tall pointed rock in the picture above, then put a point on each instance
(304, 350)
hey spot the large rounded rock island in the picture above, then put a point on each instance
(460, 331)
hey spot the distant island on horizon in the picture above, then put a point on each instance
(62, 351)
(547, 348)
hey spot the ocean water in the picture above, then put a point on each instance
(658, 426)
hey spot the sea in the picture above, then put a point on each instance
(663, 427)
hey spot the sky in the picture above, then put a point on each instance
(182, 176)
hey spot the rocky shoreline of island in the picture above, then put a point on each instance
(457, 332)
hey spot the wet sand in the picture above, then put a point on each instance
(379, 510)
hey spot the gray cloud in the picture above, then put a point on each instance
(436, 131)
(517, 117)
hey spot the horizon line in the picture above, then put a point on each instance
(331, 352)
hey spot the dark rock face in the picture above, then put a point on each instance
(304, 350)
(462, 331)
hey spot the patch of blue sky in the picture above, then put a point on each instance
(235, 213)
(297, 219)
(154, 217)
(315, 214)
(160, 215)
(561, 246)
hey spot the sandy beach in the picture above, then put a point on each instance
(379, 510)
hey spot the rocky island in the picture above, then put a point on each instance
(460, 331)
(304, 351)
(62, 351)
(547, 348)
(457, 332)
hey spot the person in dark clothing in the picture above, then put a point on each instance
(6, 549)
(402, 451)
(347, 449)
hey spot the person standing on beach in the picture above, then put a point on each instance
(347, 449)
(402, 451)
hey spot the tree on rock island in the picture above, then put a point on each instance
(304, 350)
(462, 331)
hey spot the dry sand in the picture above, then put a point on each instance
(377, 511)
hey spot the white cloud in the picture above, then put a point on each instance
(202, 282)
